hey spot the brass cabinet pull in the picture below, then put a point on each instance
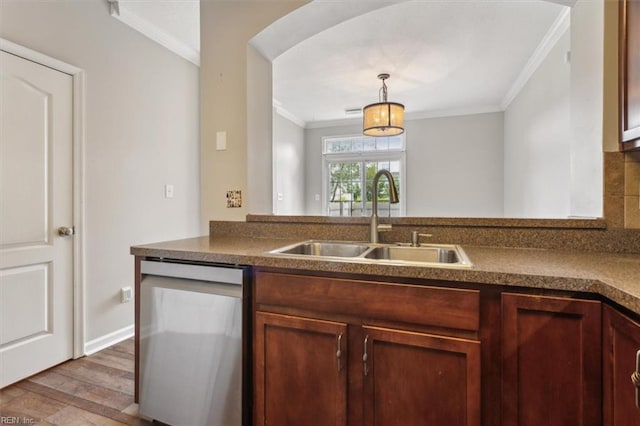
(635, 379)
(339, 353)
(365, 357)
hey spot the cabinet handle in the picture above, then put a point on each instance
(339, 353)
(635, 379)
(365, 357)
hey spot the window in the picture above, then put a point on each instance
(351, 162)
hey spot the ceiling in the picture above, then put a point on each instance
(444, 57)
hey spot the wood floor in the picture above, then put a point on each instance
(93, 390)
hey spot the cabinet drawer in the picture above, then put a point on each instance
(432, 306)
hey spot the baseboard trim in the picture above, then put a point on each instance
(107, 340)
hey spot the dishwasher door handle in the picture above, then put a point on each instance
(194, 286)
(215, 274)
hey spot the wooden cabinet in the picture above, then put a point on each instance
(551, 361)
(630, 74)
(621, 341)
(415, 378)
(330, 351)
(336, 352)
(300, 374)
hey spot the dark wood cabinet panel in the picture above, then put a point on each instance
(410, 304)
(551, 361)
(535, 360)
(620, 342)
(415, 378)
(409, 378)
(630, 74)
(299, 379)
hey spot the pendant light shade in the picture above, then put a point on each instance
(383, 118)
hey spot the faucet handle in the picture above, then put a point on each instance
(415, 238)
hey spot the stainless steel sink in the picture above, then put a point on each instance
(414, 254)
(440, 255)
(324, 248)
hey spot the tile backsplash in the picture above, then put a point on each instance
(614, 183)
(622, 189)
(632, 190)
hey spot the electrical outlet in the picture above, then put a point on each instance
(126, 294)
(168, 191)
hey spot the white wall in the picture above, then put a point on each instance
(259, 135)
(288, 166)
(587, 68)
(537, 141)
(141, 133)
(554, 130)
(226, 28)
(453, 165)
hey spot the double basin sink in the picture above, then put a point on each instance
(441, 255)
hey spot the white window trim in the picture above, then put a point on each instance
(327, 138)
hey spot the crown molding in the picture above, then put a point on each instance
(277, 106)
(453, 112)
(120, 12)
(557, 30)
(421, 115)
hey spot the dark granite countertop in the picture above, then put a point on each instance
(615, 276)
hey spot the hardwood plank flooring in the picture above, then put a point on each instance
(93, 390)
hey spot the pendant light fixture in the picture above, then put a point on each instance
(383, 118)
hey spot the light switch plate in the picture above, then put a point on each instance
(221, 141)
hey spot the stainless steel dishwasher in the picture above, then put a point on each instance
(192, 351)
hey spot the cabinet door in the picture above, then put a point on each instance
(630, 74)
(419, 379)
(551, 361)
(621, 341)
(300, 371)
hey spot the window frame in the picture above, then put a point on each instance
(363, 157)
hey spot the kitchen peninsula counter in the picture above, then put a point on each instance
(615, 276)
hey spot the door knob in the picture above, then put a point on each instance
(66, 231)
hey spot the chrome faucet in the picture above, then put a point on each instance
(393, 199)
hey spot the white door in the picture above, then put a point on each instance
(36, 264)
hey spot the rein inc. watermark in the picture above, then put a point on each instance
(17, 420)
